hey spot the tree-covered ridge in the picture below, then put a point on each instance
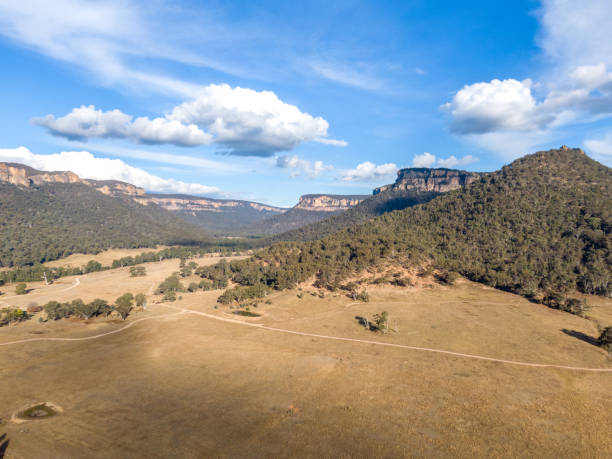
(53, 220)
(543, 223)
(378, 204)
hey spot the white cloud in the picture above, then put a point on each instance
(577, 87)
(601, 146)
(428, 160)
(369, 172)
(347, 76)
(334, 142)
(240, 120)
(424, 160)
(298, 166)
(452, 161)
(208, 165)
(574, 34)
(87, 166)
(105, 38)
(495, 106)
(86, 122)
(250, 122)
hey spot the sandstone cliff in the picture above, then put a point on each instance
(328, 202)
(425, 179)
(199, 204)
(24, 176)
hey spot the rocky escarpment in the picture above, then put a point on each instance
(328, 202)
(24, 176)
(424, 179)
(219, 215)
(188, 203)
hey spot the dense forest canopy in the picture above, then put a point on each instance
(53, 220)
(378, 204)
(542, 223)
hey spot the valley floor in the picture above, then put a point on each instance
(177, 383)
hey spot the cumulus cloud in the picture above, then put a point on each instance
(577, 89)
(601, 146)
(249, 122)
(428, 160)
(86, 121)
(239, 120)
(509, 105)
(302, 166)
(494, 106)
(369, 172)
(424, 160)
(452, 161)
(87, 166)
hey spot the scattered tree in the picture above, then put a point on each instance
(140, 299)
(138, 271)
(382, 321)
(123, 304)
(605, 339)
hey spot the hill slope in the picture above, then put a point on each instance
(385, 201)
(413, 186)
(310, 208)
(542, 223)
(45, 216)
(218, 215)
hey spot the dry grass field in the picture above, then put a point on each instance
(180, 384)
(106, 257)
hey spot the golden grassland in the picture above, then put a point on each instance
(186, 385)
(105, 257)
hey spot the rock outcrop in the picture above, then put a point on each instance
(424, 179)
(328, 202)
(199, 204)
(24, 176)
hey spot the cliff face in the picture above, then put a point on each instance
(424, 179)
(24, 176)
(328, 202)
(199, 204)
(19, 175)
(213, 214)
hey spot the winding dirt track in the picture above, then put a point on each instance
(29, 340)
(315, 335)
(77, 282)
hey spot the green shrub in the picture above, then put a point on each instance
(240, 293)
(140, 299)
(138, 271)
(605, 339)
(382, 321)
(171, 284)
(21, 289)
(12, 315)
(124, 304)
(169, 296)
(447, 277)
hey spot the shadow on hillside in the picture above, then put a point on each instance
(4, 442)
(581, 336)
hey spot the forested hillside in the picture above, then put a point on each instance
(310, 209)
(543, 223)
(378, 204)
(51, 220)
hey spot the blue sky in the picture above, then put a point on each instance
(271, 100)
